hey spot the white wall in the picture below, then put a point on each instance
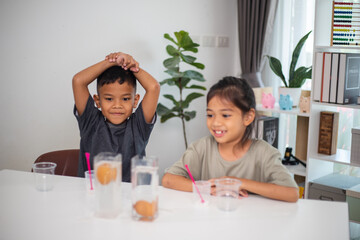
(44, 43)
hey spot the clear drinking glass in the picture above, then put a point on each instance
(108, 184)
(227, 193)
(204, 188)
(44, 172)
(145, 182)
(88, 182)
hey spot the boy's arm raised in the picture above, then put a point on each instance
(152, 88)
(81, 81)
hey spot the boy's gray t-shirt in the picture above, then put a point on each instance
(97, 135)
(261, 163)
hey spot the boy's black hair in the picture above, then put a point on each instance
(238, 92)
(116, 73)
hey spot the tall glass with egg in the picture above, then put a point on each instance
(145, 182)
(108, 184)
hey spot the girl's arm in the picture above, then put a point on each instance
(269, 190)
(176, 182)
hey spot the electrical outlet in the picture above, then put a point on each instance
(222, 41)
(208, 41)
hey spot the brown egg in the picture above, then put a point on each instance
(105, 173)
(145, 208)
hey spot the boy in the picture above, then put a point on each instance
(114, 127)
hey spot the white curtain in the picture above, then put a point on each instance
(294, 18)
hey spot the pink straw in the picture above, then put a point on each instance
(202, 200)
(87, 155)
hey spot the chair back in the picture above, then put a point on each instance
(66, 161)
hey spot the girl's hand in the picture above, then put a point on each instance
(242, 192)
(124, 60)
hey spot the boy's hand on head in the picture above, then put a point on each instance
(124, 60)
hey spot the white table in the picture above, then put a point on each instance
(63, 213)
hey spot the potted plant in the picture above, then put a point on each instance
(297, 77)
(181, 79)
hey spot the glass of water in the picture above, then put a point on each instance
(145, 182)
(107, 184)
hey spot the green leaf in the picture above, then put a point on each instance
(167, 36)
(171, 97)
(276, 67)
(189, 115)
(177, 109)
(184, 82)
(198, 65)
(295, 56)
(194, 75)
(179, 36)
(171, 62)
(172, 51)
(189, 98)
(192, 49)
(187, 58)
(169, 81)
(174, 73)
(196, 87)
(300, 76)
(167, 116)
(161, 109)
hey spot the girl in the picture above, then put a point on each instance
(230, 152)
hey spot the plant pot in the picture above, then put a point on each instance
(294, 93)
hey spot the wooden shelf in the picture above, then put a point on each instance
(342, 156)
(352, 106)
(297, 169)
(276, 109)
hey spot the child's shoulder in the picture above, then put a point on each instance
(259, 145)
(204, 143)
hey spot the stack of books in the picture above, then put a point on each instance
(336, 77)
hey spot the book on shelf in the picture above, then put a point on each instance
(325, 91)
(267, 128)
(336, 77)
(319, 56)
(349, 78)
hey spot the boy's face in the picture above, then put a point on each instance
(225, 121)
(116, 101)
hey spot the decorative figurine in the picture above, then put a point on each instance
(285, 102)
(304, 104)
(268, 100)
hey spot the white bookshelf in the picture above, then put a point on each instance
(319, 165)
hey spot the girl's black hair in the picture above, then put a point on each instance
(116, 73)
(238, 92)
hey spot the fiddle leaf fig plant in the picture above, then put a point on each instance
(296, 77)
(179, 52)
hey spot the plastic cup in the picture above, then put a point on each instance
(145, 182)
(44, 172)
(227, 193)
(204, 188)
(87, 180)
(107, 184)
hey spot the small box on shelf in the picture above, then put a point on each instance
(329, 123)
(332, 187)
